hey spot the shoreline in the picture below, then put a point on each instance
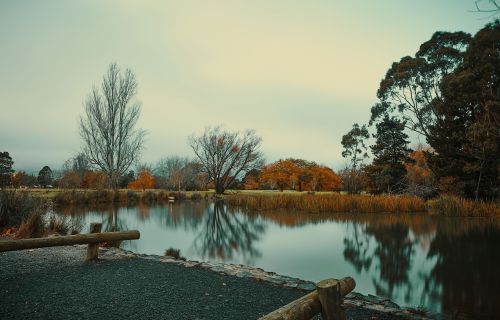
(353, 299)
(268, 200)
(57, 283)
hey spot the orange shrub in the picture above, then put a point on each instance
(95, 180)
(144, 181)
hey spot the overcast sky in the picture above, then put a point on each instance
(299, 72)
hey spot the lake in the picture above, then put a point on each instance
(446, 265)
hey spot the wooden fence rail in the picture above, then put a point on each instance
(326, 299)
(92, 239)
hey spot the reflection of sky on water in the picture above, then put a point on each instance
(416, 260)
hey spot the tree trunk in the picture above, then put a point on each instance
(479, 179)
(219, 188)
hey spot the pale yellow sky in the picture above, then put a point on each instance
(299, 72)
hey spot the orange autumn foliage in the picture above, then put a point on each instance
(323, 179)
(281, 174)
(70, 179)
(419, 177)
(418, 172)
(296, 174)
(17, 178)
(95, 180)
(251, 180)
(144, 181)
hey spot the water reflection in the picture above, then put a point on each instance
(356, 248)
(466, 274)
(183, 215)
(385, 251)
(223, 234)
(393, 252)
(447, 265)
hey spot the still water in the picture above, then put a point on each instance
(447, 265)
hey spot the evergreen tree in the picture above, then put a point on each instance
(390, 153)
(466, 135)
(45, 176)
(5, 169)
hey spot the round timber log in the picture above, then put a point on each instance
(21, 244)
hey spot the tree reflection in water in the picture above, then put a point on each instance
(224, 234)
(356, 248)
(466, 275)
(460, 274)
(391, 256)
(112, 222)
(186, 215)
(394, 251)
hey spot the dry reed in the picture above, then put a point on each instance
(329, 203)
(459, 207)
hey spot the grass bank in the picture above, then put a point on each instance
(267, 200)
(328, 203)
(128, 197)
(459, 207)
(338, 203)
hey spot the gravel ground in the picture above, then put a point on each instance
(55, 283)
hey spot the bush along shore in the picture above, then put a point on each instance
(29, 214)
(304, 202)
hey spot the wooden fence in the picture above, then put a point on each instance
(92, 239)
(326, 299)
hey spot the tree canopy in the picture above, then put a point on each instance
(466, 136)
(45, 176)
(353, 143)
(411, 86)
(300, 175)
(227, 155)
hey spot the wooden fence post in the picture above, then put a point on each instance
(93, 248)
(327, 299)
(330, 298)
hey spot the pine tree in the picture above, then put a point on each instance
(5, 169)
(390, 152)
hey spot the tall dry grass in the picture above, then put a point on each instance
(16, 207)
(31, 216)
(128, 197)
(328, 203)
(459, 207)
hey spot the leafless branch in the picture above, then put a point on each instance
(110, 140)
(226, 155)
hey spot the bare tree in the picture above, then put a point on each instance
(227, 155)
(493, 6)
(79, 164)
(110, 140)
(172, 169)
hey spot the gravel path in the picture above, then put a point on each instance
(55, 283)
